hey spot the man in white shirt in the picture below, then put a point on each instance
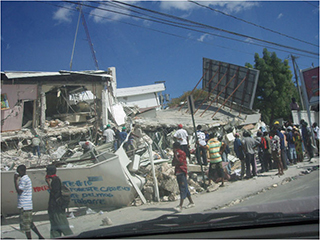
(24, 190)
(202, 146)
(108, 134)
(181, 135)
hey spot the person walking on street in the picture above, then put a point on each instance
(276, 150)
(24, 190)
(237, 146)
(202, 146)
(181, 171)
(36, 145)
(215, 166)
(248, 145)
(57, 216)
(181, 135)
(316, 132)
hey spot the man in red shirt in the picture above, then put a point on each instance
(181, 171)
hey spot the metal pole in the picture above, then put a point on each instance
(209, 92)
(196, 136)
(297, 81)
(156, 188)
(75, 38)
(193, 89)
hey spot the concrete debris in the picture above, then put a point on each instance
(71, 216)
(60, 140)
(106, 222)
(90, 211)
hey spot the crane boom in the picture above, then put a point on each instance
(89, 40)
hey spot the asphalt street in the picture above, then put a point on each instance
(300, 181)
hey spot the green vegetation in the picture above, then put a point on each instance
(198, 95)
(275, 87)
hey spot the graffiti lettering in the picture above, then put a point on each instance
(84, 195)
(89, 201)
(77, 183)
(95, 179)
(42, 188)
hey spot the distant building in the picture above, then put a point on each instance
(144, 97)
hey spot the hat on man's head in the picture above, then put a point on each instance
(108, 125)
(180, 125)
(289, 128)
(51, 169)
(276, 123)
(123, 128)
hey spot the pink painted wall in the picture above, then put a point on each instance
(13, 116)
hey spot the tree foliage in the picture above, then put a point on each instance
(198, 94)
(275, 87)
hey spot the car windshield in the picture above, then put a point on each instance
(140, 118)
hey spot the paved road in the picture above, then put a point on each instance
(265, 188)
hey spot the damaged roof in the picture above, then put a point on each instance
(65, 76)
(131, 91)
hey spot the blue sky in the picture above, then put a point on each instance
(39, 36)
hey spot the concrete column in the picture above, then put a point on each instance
(43, 107)
(104, 99)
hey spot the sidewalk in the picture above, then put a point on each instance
(231, 194)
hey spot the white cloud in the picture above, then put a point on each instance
(280, 15)
(202, 37)
(226, 6)
(249, 40)
(63, 14)
(180, 5)
(100, 15)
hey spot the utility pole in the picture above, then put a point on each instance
(297, 81)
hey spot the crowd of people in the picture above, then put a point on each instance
(281, 146)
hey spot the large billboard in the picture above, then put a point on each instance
(310, 78)
(231, 82)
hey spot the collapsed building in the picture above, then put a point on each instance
(66, 107)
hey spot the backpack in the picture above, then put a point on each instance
(64, 199)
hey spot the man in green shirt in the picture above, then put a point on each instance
(215, 159)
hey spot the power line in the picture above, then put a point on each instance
(175, 35)
(256, 25)
(311, 4)
(216, 28)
